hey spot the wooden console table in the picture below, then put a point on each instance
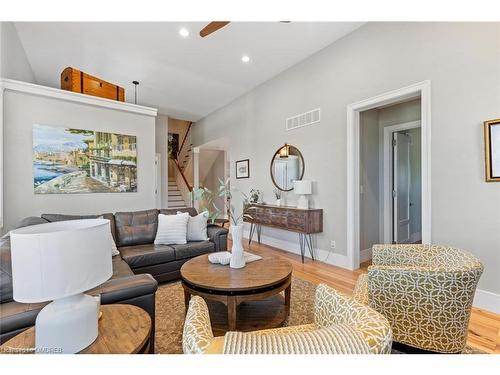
(303, 222)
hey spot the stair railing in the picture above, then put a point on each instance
(185, 137)
(183, 153)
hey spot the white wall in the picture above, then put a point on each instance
(400, 113)
(13, 61)
(161, 147)
(22, 110)
(461, 60)
(213, 173)
(370, 203)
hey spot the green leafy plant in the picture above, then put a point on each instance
(207, 198)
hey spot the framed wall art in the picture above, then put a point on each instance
(243, 168)
(492, 150)
(69, 161)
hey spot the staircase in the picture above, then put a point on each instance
(175, 199)
(176, 194)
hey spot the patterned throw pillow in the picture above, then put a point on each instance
(172, 229)
(197, 227)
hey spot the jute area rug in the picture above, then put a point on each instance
(170, 314)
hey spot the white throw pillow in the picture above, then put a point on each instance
(172, 229)
(197, 227)
(114, 250)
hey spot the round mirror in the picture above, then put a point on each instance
(287, 166)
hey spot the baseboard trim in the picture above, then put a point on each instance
(487, 301)
(365, 255)
(320, 255)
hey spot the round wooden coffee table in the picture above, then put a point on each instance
(258, 280)
(123, 329)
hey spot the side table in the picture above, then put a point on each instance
(123, 329)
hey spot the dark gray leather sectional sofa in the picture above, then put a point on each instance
(136, 271)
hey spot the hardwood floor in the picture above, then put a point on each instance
(484, 326)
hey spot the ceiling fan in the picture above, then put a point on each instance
(212, 27)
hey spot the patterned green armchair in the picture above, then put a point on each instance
(342, 326)
(425, 291)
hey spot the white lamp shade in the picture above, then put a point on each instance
(302, 187)
(60, 259)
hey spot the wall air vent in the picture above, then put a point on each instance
(304, 119)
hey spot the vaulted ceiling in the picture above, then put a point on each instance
(184, 77)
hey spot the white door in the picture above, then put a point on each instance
(401, 187)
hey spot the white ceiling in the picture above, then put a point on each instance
(186, 78)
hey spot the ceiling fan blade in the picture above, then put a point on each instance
(212, 27)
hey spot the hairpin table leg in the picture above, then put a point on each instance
(302, 246)
(309, 243)
(252, 228)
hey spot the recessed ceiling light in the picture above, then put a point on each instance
(245, 58)
(184, 32)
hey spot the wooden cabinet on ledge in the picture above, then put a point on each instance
(304, 222)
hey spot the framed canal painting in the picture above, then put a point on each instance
(492, 150)
(67, 161)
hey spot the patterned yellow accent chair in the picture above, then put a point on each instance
(342, 326)
(425, 291)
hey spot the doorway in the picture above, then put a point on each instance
(361, 181)
(211, 168)
(402, 183)
(390, 176)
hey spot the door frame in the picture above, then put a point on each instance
(422, 90)
(387, 180)
(158, 180)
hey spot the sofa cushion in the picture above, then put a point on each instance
(193, 249)
(61, 217)
(120, 268)
(147, 255)
(136, 228)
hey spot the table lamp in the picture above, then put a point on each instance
(58, 262)
(302, 188)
